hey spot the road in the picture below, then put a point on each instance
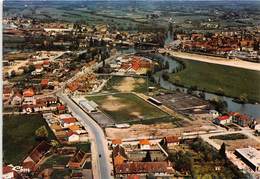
(103, 168)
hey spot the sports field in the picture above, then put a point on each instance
(127, 107)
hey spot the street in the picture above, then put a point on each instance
(99, 144)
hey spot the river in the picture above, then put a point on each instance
(252, 110)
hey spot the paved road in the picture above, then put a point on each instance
(100, 143)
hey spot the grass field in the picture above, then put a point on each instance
(128, 84)
(230, 81)
(127, 107)
(18, 136)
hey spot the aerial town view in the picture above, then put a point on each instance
(131, 89)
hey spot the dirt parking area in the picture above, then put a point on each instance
(240, 143)
(156, 130)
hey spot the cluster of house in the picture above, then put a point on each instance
(84, 84)
(138, 159)
(28, 102)
(63, 34)
(229, 43)
(66, 128)
(39, 61)
(235, 117)
(32, 163)
(131, 65)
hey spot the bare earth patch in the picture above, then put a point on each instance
(128, 84)
(113, 104)
(159, 130)
(136, 114)
(241, 143)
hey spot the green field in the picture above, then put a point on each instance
(127, 107)
(19, 136)
(230, 81)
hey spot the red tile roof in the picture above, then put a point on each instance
(28, 92)
(69, 120)
(144, 142)
(46, 62)
(116, 141)
(223, 117)
(142, 167)
(172, 139)
(61, 107)
(7, 169)
(44, 82)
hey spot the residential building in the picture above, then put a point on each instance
(223, 120)
(78, 160)
(171, 141)
(144, 144)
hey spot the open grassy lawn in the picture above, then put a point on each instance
(19, 135)
(127, 107)
(214, 78)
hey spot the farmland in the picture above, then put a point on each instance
(19, 136)
(226, 80)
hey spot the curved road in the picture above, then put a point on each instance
(100, 144)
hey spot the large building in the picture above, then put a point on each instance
(249, 156)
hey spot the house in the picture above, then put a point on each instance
(116, 142)
(9, 173)
(61, 108)
(78, 160)
(44, 83)
(46, 63)
(171, 141)
(66, 122)
(242, 120)
(214, 114)
(143, 168)
(119, 150)
(144, 144)
(222, 120)
(38, 69)
(17, 99)
(28, 95)
(119, 159)
(72, 136)
(36, 156)
(56, 127)
(7, 93)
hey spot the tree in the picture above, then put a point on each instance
(12, 74)
(31, 67)
(243, 98)
(41, 133)
(166, 65)
(165, 76)
(182, 161)
(148, 157)
(222, 151)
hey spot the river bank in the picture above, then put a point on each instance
(246, 108)
(215, 60)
